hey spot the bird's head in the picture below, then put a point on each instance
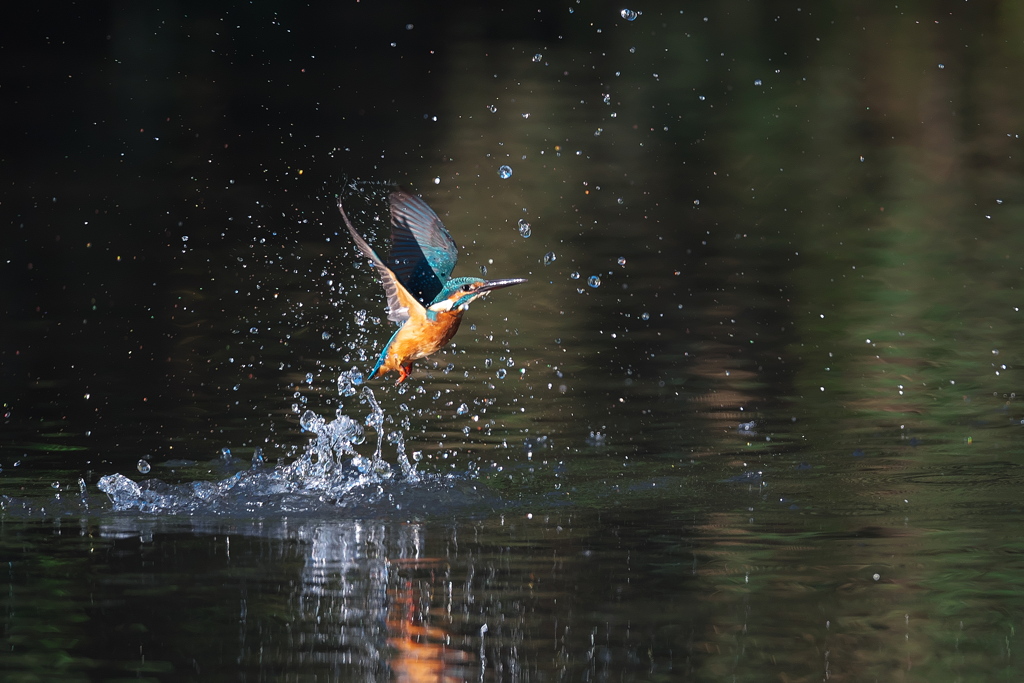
(460, 292)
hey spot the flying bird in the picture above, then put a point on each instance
(423, 298)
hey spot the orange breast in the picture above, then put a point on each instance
(419, 339)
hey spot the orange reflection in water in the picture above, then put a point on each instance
(421, 651)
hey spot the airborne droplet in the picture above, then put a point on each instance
(505, 172)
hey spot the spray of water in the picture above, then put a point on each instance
(327, 470)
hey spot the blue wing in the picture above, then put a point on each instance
(423, 253)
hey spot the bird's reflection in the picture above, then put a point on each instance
(421, 651)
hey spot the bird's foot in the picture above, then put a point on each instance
(403, 373)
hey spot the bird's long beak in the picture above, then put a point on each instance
(499, 284)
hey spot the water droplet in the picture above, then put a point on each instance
(620, 200)
(606, 98)
(524, 228)
(491, 108)
(594, 281)
(505, 172)
(143, 467)
(629, 15)
(622, 261)
(645, 316)
(701, 98)
(549, 258)
(253, 330)
(757, 81)
(325, 336)
(574, 275)
(538, 57)
(437, 180)
(462, 409)
(500, 374)
(483, 270)
(309, 421)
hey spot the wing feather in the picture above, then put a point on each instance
(423, 253)
(401, 304)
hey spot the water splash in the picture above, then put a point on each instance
(330, 470)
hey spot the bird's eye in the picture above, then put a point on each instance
(467, 288)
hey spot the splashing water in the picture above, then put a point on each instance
(326, 472)
(348, 381)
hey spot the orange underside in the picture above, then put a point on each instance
(418, 339)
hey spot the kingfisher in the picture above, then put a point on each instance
(423, 298)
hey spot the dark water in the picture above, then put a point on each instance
(754, 417)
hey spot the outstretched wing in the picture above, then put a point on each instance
(423, 253)
(401, 304)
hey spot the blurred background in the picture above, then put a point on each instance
(765, 365)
